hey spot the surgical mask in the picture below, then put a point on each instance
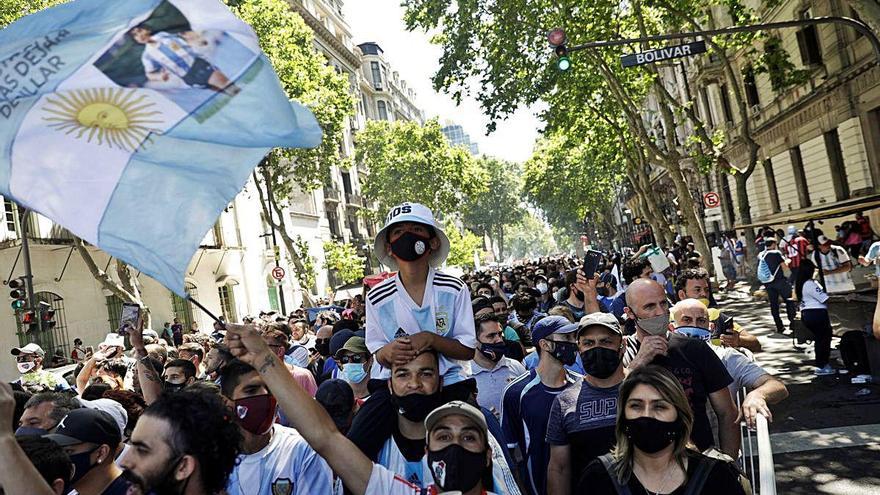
(416, 407)
(564, 352)
(456, 469)
(174, 387)
(26, 366)
(657, 325)
(600, 362)
(82, 464)
(493, 352)
(354, 372)
(256, 414)
(651, 435)
(704, 301)
(410, 247)
(695, 333)
(542, 288)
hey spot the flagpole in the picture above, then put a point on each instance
(212, 315)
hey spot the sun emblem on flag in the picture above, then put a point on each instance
(113, 117)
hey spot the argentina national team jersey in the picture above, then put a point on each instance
(445, 310)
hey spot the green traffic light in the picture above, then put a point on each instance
(564, 64)
(18, 304)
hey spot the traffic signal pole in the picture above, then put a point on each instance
(28, 274)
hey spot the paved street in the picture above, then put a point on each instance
(825, 437)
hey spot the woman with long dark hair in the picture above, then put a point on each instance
(814, 315)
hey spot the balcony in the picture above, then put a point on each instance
(332, 194)
(354, 200)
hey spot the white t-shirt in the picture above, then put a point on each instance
(446, 310)
(814, 296)
(384, 482)
(286, 465)
(838, 282)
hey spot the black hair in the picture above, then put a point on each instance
(49, 459)
(21, 398)
(484, 285)
(203, 427)
(480, 302)
(497, 299)
(633, 269)
(95, 391)
(116, 366)
(805, 272)
(483, 318)
(224, 353)
(689, 274)
(193, 348)
(523, 302)
(570, 278)
(133, 404)
(230, 376)
(189, 369)
(61, 404)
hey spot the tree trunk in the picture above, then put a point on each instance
(868, 11)
(126, 291)
(745, 216)
(693, 223)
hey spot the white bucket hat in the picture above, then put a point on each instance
(410, 212)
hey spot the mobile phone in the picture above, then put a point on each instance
(591, 263)
(131, 313)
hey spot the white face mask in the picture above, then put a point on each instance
(542, 288)
(26, 366)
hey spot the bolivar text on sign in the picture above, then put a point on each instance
(661, 54)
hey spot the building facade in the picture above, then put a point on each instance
(456, 136)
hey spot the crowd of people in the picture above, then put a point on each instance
(533, 379)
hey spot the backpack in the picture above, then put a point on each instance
(854, 352)
(694, 483)
(765, 276)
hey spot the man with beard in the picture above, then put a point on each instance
(491, 367)
(215, 360)
(459, 456)
(274, 458)
(92, 439)
(183, 444)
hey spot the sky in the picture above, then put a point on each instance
(416, 59)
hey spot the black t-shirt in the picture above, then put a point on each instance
(723, 479)
(700, 372)
(120, 486)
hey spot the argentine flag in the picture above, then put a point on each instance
(134, 123)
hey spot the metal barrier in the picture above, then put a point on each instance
(763, 479)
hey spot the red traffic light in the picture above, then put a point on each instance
(556, 37)
(28, 318)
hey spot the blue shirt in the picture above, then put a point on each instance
(525, 411)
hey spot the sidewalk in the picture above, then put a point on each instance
(826, 435)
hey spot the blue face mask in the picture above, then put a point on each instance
(24, 431)
(354, 372)
(695, 333)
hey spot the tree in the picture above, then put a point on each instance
(498, 207)
(415, 163)
(462, 246)
(306, 77)
(531, 238)
(344, 261)
(127, 288)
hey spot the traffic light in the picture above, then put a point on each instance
(47, 315)
(18, 294)
(29, 321)
(563, 63)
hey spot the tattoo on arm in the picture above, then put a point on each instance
(267, 363)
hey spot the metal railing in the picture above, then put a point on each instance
(763, 479)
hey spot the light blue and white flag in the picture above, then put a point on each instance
(133, 124)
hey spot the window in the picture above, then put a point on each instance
(333, 220)
(377, 75)
(751, 87)
(227, 302)
(272, 290)
(183, 308)
(705, 99)
(353, 225)
(346, 182)
(114, 311)
(10, 218)
(771, 185)
(838, 167)
(383, 110)
(725, 104)
(800, 177)
(808, 42)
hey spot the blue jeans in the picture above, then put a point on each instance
(776, 289)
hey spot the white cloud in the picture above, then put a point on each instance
(416, 59)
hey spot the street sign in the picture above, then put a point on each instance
(278, 273)
(711, 200)
(661, 54)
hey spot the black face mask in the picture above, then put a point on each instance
(602, 291)
(493, 352)
(174, 387)
(600, 362)
(455, 468)
(651, 435)
(564, 352)
(323, 347)
(410, 247)
(578, 295)
(82, 464)
(416, 407)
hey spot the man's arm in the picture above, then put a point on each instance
(82, 379)
(769, 390)
(559, 470)
(151, 384)
(302, 411)
(450, 348)
(845, 267)
(741, 338)
(588, 287)
(17, 473)
(728, 428)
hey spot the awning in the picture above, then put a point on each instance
(348, 293)
(832, 210)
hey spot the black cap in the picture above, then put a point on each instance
(86, 426)
(337, 398)
(339, 339)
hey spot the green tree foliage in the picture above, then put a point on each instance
(531, 238)
(12, 10)
(305, 274)
(344, 261)
(498, 207)
(411, 162)
(462, 246)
